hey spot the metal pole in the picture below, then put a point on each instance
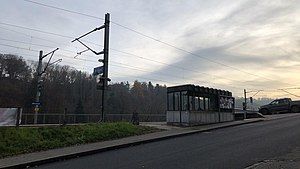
(245, 105)
(105, 61)
(65, 117)
(38, 92)
(19, 113)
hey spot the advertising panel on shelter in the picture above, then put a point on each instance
(226, 102)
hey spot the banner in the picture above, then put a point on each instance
(8, 116)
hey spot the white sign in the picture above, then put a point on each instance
(8, 116)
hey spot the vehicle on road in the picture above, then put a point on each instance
(284, 105)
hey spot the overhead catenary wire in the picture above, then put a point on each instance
(289, 93)
(73, 51)
(128, 66)
(127, 53)
(130, 54)
(122, 65)
(66, 10)
(140, 77)
(150, 37)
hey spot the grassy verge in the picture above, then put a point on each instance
(24, 140)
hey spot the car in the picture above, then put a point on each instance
(284, 105)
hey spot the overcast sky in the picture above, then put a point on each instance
(227, 44)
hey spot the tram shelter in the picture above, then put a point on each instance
(190, 105)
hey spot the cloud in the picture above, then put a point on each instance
(260, 37)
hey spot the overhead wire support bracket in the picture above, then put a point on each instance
(96, 29)
(79, 53)
(52, 52)
(55, 62)
(48, 63)
(257, 93)
(88, 48)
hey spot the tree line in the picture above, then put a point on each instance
(65, 87)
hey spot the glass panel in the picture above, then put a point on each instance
(184, 99)
(201, 102)
(191, 103)
(177, 100)
(206, 102)
(212, 103)
(196, 103)
(170, 101)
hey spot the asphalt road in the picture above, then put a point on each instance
(228, 148)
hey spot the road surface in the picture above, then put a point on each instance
(228, 148)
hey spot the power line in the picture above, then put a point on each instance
(167, 75)
(69, 37)
(27, 35)
(36, 30)
(118, 74)
(150, 37)
(270, 90)
(62, 9)
(152, 60)
(18, 47)
(140, 69)
(175, 66)
(289, 93)
(122, 65)
(28, 43)
(127, 53)
(153, 79)
(128, 66)
(148, 79)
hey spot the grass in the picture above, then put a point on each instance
(21, 140)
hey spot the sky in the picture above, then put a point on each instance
(225, 44)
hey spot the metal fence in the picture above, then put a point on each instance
(55, 118)
(141, 117)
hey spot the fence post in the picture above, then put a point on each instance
(65, 117)
(44, 118)
(59, 119)
(19, 112)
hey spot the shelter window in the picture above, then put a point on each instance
(191, 103)
(197, 103)
(184, 100)
(206, 104)
(176, 100)
(170, 101)
(201, 103)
